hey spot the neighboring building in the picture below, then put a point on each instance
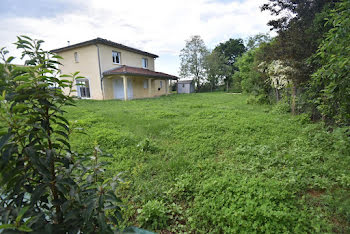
(113, 71)
(185, 86)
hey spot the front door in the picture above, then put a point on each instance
(118, 88)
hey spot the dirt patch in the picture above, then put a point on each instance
(315, 193)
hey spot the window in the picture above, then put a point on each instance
(116, 57)
(183, 85)
(160, 84)
(145, 84)
(144, 63)
(76, 57)
(83, 88)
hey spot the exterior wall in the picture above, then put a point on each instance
(138, 89)
(108, 88)
(185, 89)
(127, 58)
(156, 85)
(87, 65)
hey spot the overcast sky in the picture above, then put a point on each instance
(156, 26)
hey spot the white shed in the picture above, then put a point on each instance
(185, 86)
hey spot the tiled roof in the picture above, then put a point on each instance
(136, 71)
(105, 42)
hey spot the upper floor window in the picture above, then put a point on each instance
(76, 57)
(144, 62)
(116, 57)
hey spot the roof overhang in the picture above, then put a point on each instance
(104, 42)
(141, 72)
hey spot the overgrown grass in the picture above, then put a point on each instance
(212, 163)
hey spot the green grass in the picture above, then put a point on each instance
(212, 163)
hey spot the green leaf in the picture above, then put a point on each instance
(9, 59)
(24, 228)
(63, 119)
(7, 226)
(21, 213)
(66, 127)
(62, 134)
(38, 192)
(64, 142)
(4, 139)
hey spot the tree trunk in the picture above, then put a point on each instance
(227, 86)
(294, 94)
(277, 96)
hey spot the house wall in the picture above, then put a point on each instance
(127, 58)
(87, 65)
(138, 89)
(156, 85)
(108, 88)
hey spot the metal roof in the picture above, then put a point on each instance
(185, 81)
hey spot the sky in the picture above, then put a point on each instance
(156, 26)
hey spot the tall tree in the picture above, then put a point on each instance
(193, 60)
(216, 67)
(256, 40)
(231, 50)
(330, 85)
(298, 38)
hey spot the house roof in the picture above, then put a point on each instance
(136, 71)
(185, 81)
(105, 42)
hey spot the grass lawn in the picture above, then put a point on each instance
(212, 163)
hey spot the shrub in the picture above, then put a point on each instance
(281, 108)
(259, 99)
(44, 186)
(153, 215)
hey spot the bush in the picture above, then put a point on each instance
(44, 186)
(281, 108)
(153, 215)
(259, 99)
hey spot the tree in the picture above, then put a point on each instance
(254, 41)
(330, 85)
(230, 50)
(216, 67)
(299, 35)
(251, 74)
(193, 60)
(44, 186)
(280, 76)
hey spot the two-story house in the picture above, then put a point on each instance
(113, 71)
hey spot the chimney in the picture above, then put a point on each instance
(68, 42)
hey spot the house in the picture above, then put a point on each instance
(185, 86)
(112, 71)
